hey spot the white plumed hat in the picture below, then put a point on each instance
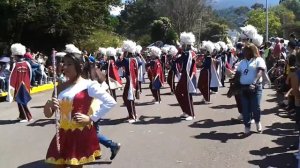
(138, 49)
(223, 45)
(155, 51)
(102, 50)
(111, 52)
(217, 46)
(129, 46)
(187, 38)
(248, 31)
(165, 48)
(258, 40)
(209, 46)
(70, 48)
(173, 51)
(119, 51)
(18, 49)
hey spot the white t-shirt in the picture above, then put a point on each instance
(248, 69)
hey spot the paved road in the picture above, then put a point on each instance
(160, 139)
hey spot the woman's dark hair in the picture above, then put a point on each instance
(78, 61)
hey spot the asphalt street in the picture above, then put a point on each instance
(160, 139)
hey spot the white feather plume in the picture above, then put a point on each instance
(187, 38)
(173, 51)
(138, 49)
(102, 50)
(70, 48)
(60, 54)
(248, 31)
(129, 46)
(258, 40)
(155, 51)
(111, 52)
(217, 46)
(119, 51)
(209, 46)
(165, 49)
(18, 49)
(223, 45)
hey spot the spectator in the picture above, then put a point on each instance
(4, 73)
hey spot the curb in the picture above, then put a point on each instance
(34, 90)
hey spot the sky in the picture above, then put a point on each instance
(216, 4)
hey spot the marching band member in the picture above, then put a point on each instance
(19, 82)
(131, 73)
(173, 71)
(113, 79)
(156, 76)
(187, 83)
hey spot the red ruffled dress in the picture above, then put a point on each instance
(78, 142)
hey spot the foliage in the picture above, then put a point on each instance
(136, 18)
(101, 38)
(293, 5)
(257, 18)
(54, 22)
(159, 29)
(235, 17)
(217, 31)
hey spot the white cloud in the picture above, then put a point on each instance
(116, 10)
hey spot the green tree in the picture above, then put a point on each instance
(257, 18)
(216, 31)
(159, 29)
(293, 5)
(257, 6)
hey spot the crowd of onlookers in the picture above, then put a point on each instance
(39, 69)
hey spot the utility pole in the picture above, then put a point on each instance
(267, 21)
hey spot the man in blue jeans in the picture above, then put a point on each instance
(114, 147)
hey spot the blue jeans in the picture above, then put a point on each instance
(103, 139)
(251, 105)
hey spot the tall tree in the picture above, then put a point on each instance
(257, 18)
(183, 13)
(257, 6)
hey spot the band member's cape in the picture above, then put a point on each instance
(19, 83)
(133, 69)
(204, 79)
(141, 69)
(158, 75)
(114, 80)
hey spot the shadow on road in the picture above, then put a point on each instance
(224, 106)
(282, 155)
(157, 120)
(42, 122)
(7, 122)
(42, 164)
(222, 137)
(144, 103)
(36, 164)
(209, 123)
(112, 122)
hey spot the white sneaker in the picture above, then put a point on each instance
(183, 115)
(240, 117)
(131, 121)
(252, 121)
(189, 118)
(23, 121)
(247, 130)
(258, 127)
(157, 102)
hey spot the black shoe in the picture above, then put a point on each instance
(114, 151)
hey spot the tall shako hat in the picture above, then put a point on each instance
(138, 49)
(102, 50)
(18, 49)
(187, 38)
(250, 32)
(129, 46)
(111, 52)
(155, 51)
(173, 51)
(208, 46)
